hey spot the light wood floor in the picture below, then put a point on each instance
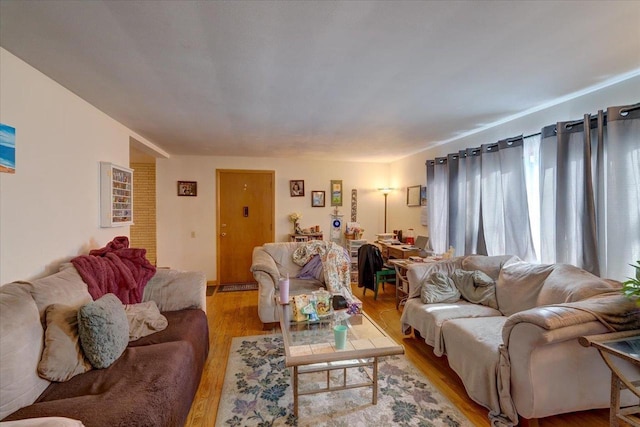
(233, 314)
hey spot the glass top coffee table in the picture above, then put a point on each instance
(310, 347)
(625, 346)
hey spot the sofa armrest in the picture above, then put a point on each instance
(176, 290)
(264, 267)
(611, 310)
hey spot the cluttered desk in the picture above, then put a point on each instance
(392, 248)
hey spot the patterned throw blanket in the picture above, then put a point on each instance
(116, 269)
(335, 263)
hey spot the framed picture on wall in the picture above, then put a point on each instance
(187, 188)
(317, 199)
(336, 192)
(413, 195)
(296, 188)
(423, 195)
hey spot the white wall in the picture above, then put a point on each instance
(49, 209)
(179, 216)
(623, 93)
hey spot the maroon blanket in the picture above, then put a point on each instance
(116, 269)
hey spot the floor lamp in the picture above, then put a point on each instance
(385, 192)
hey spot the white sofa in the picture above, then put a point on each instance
(524, 359)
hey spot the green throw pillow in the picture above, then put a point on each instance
(439, 287)
(104, 330)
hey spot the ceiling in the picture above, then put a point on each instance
(354, 80)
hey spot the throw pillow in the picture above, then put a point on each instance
(104, 330)
(476, 287)
(438, 287)
(62, 357)
(144, 319)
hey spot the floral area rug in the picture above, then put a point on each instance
(257, 392)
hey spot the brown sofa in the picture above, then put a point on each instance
(152, 383)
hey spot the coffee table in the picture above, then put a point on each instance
(626, 346)
(309, 347)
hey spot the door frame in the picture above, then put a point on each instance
(218, 228)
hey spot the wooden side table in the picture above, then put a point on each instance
(626, 346)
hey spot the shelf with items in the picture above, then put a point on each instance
(305, 237)
(352, 247)
(116, 195)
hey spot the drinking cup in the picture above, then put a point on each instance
(340, 334)
(284, 291)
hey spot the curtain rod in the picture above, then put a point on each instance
(479, 148)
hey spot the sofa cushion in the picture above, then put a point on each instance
(439, 287)
(419, 271)
(144, 319)
(62, 357)
(490, 265)
(104, 330)
(21, 332)
(522, 285)
(282, 254)
(429, 318)
(519, 284)
(480, 338)
(65, 287)
(152, 384)
(568, 283)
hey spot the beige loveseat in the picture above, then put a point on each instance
(152, 383)
(523, 359)
(274, 261)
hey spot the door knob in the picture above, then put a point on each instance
(223, 234)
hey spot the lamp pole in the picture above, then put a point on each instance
(385, 192)
(385, 212)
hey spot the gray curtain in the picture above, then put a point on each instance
(590, 192)
(567, 200)
(619, 198)
(484, 203)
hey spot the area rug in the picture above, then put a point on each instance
(233, 287)
(257, 392)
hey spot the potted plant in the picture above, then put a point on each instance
(631, 288)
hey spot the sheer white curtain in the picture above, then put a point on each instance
(567, 202)
(505, 212)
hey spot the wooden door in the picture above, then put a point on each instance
(246, 213)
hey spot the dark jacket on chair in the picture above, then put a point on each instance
(369, 261)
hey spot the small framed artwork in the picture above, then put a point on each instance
(413, 195)
(336, 192)
(317, 199)
(423, 195)
(187, 188)
(296, 187)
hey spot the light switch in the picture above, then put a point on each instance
(193, 234)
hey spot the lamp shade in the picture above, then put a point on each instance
(385, 190)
